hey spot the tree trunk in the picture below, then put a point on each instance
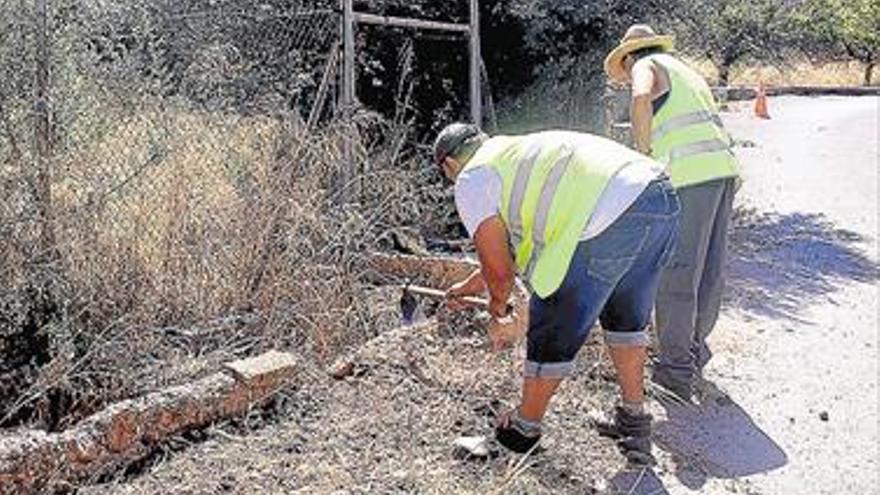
(869, 73)
(724, 74)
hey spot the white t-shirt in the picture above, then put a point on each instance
(478, 195)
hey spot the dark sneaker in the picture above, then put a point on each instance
(516, 434)
(637, 451)
(632, 433)
(515, 440)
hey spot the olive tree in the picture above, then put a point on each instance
(729, 31)
(848, 28)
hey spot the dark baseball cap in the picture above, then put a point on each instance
(451, 138)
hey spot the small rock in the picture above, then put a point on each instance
(343, 370)
(823, 415)
(269, 363)
(475, 446)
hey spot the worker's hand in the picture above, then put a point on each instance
(510, 321)
(455, 293)
(470, 286)
(500, 309)
(506, 331)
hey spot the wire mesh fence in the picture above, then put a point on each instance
(169, 165)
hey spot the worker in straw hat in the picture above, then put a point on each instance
(675, 120)
(588, 224)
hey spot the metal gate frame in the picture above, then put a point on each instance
(350, 20)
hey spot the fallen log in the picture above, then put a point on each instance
(433, 271)
(32, 461)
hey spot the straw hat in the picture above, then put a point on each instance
(638, 36)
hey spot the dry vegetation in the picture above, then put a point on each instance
(790, 73)
(421, 387)
(186, 238)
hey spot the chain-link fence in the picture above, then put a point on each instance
(170, 181)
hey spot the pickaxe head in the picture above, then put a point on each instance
(411, 311)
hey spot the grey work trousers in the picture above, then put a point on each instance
(689, 296)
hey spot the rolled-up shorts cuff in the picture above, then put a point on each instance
(548, 370)
(637, 338)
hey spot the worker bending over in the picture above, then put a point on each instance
(588, 224)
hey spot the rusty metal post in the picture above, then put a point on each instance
(475, 59)
(348, 93)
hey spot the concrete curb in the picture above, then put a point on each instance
(31, 460)
(740, 93)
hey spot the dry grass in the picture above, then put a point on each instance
(186, 238)
(794, 73)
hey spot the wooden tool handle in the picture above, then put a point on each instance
(439, 294)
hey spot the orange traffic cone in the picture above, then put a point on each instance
(761, 103)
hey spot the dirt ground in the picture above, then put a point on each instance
(389, 427)
(796, 348)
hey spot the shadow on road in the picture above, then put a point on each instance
(779, 263)
(712, 441)
(635, 481)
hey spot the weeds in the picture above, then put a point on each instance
(187, 238)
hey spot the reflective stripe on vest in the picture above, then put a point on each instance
(685, 120)
(696, 148)
(548, 192)
(523, 174)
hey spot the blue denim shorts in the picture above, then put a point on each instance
(612, 277)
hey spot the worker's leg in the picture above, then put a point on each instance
(536, 395)
(711, 287)
(626, 314)
(628, 310)
(677, 296)
(558, 326)
(629, 362)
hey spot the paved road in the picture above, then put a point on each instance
(797, 344)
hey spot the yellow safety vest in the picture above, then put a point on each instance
(686, 133)
(551, 183)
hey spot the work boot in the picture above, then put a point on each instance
(516, 433)
(665, 388)
(631, 431)
(708, 393)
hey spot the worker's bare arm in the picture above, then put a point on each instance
(641, 113)
(496, 264)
